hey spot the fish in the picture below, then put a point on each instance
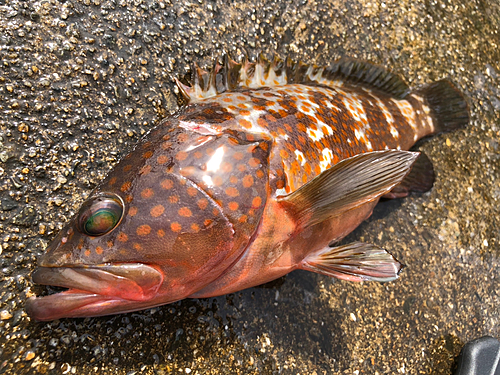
(262, 171)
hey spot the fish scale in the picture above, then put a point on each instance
(267, 165)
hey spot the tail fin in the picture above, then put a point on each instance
(448, 105)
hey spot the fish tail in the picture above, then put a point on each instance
(447, 104)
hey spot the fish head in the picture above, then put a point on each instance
(168, 219)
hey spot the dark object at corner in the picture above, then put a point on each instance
(480, 357)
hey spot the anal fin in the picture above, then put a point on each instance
(357, 261)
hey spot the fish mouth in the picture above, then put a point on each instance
(94, 290)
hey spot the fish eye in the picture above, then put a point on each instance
(100, 214)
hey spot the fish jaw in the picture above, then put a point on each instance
(96, 290)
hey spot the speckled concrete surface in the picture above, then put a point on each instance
(81, 81)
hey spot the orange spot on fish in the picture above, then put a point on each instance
(143, 230)
(137, 246)
(227, 167)
(233, 206)
(232, 192)
(147, 154)
(166, 145)
(109, 244)
(122, 237)
(160, 233)
(218, 180)
(176, 227)
(307, 168)
(127, 168)
(245, 112)
(256, 202)
(207, 222)
(129, 198)
(99, 250)
(202, 203)
(132, 211)
(253, 162)
(195, 227)
(147, 193)
(280, 184)
(187, 171)
(259, 173)
(243, 218)
(245, 123)
(185, 212)
(261, 122)
(295, 168)
(112, 181)
(215, 211)
(183, 137)
(167, 184)
(227, 100)
(157, 210)
(145, 170)
(242, 167)
(247, 181)
(87, 253)
(173, 199)
(250, 149)
(181, 155)
(301, 127)
(198, 154)
(233, 179)
(126, 186)
(162, 159)
(284, 154)
(192, 191)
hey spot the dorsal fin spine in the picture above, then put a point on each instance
(232, 75)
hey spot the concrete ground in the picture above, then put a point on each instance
(82, 80)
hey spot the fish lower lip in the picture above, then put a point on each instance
(94, 289)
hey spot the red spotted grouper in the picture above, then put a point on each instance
(260, 174)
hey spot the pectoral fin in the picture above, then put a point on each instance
(347, 185)
(419, 180)
(356, 261)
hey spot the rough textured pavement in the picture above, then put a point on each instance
(82, 80)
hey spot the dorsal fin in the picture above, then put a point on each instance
(232, 75)
(367, 74)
